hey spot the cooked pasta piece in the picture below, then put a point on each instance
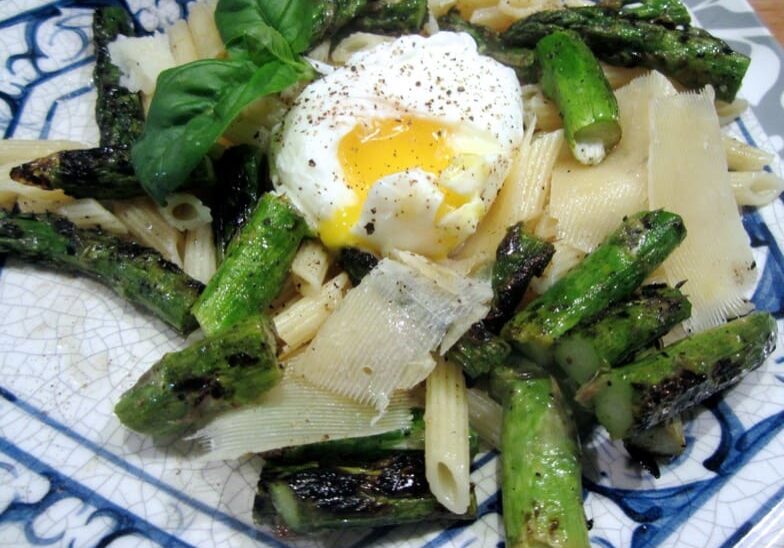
(755, 188)
(537, 171)
(295, 413)
(590, 201)
(447, 459)
(309, 267)
(484, 416)
(185, 211)
(717, 278)
(353, 43)
(730, 111)
(181, 43)
(17, 151)
(479, 249)
(201, 22)
(199, 255)
(299, 322)
(546, 112)
(744, 157)
(87, 213)
(491, 17)
(147, 226)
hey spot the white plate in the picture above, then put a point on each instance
(71, 475)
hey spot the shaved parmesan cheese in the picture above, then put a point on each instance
(380, 337)
(140, 60)
(688, 175)
(296, 413)
(590, 201)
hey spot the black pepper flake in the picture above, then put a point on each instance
(370, 228)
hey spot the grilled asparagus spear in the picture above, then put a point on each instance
(488, 42)
(393, 18)
(118, 111)
(242, 173)
(690, 55)
(572, 77)
(633, 398)
(103, 173)
(137, 273)
(518, 258)
(185, 389)
(621, 330)
(356, 493)
(541, 482)
(610, 273)
(255, 266)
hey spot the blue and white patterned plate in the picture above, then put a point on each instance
(70, 475)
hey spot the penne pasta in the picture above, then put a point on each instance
(199, 255)
(728, 112)
(185, 211)
(755, 188)
(18, 151)
(299, 322)
(201, 22)
(537, 171)
(309, 267)
(744, 157)
(484, 416)
(181, 43)
(537, 104)
(447, 459)
(148, 227)
(89, 213)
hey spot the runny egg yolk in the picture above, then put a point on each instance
(372, 150)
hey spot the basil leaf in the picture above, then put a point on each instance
(261, 30)
(193, 105)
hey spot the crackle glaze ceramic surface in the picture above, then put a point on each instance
(70, 475)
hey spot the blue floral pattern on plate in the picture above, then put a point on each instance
(71, 475)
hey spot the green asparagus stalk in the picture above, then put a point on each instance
(255, 266)
(609, 274)
(519, 257)
(242, 172)
(479, 351)
(691, 56)
(668, 12)
(185, 389)
(103, 173)
(541, 481)
(488, 42)
(312, 496)
(136, 273)
(329, 16)
(118, 111)
(633, 398)
(392, 18)
(572, 77)
(621, 330)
